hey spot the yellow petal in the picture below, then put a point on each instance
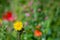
(18, 25)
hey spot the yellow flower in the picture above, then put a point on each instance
(0, 20)
(18, 25)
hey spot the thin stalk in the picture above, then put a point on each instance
(18, 36)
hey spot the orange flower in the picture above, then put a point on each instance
(37, 33)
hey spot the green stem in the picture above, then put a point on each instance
(18, 36)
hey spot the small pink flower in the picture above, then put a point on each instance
(30, 3)
(27, 14)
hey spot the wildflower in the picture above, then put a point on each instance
(0, 22)
(30, 3)
(27, 14)
(8, 16)
(37, 33)
(18, 25)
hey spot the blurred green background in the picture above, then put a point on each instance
(33, 13)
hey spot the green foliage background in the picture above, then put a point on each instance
(50, 27)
